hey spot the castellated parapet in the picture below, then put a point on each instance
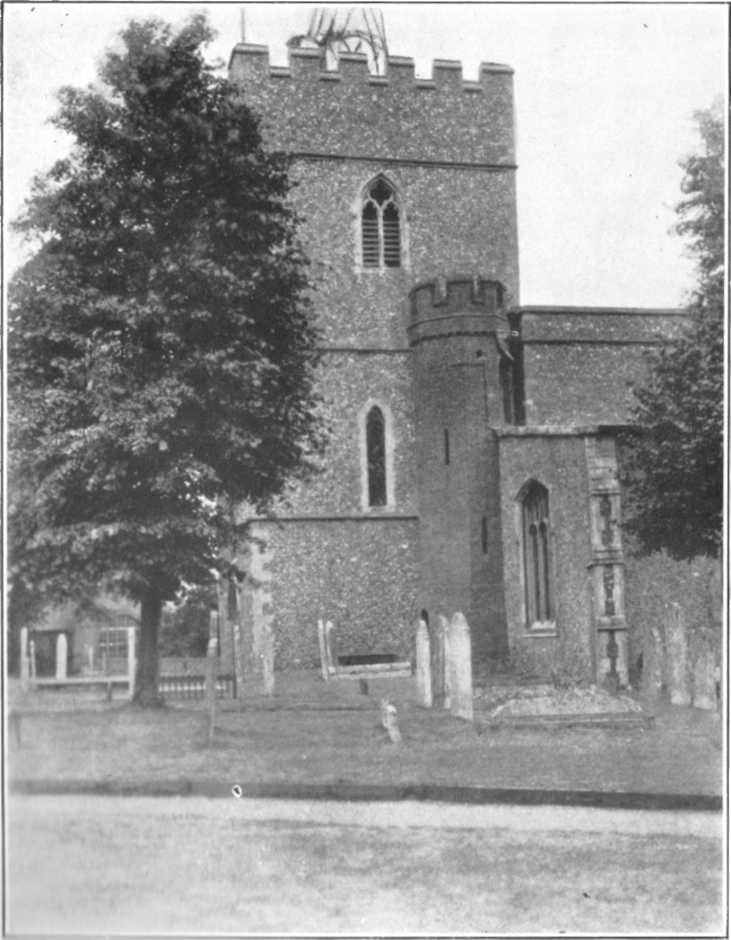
(349, 112)
(455, 306)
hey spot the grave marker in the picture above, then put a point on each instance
(460, 659)
(267, 657)
(389, 720)
(423, 665)
(24, 657)
(677, 654)
(438, 663)
(704, 680)
(131, 660)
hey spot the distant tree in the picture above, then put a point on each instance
(673, 464)
(184, 629)
(160, 354)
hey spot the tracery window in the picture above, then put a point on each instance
(537, 555)
(380, 226)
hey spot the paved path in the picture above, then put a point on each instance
(198, 865)
(401, 814)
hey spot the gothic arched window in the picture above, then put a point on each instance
(376, 457)
(536, 555)
(380, 226)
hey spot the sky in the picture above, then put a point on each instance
(604, 95)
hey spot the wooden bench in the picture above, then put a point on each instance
(357, 665)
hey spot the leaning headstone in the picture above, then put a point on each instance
(460, 658)
(389, 720)
(61, 655)
(438, 662)
(423, 665)
(704, 680)
(677, 652)
(211, 682)
(267, 658)
(24, 657)
(131, 660)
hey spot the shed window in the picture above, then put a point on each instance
(380, 227)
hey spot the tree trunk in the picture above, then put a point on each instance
(148, 660)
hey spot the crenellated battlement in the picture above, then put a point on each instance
(350, 112)
(445, 306)
(307, 63)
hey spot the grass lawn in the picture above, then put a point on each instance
(315, 732)
(198, 866)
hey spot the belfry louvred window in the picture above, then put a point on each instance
(380, 227)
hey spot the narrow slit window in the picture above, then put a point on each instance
(446, 446)
(376, 454)
(536, 555)
(483, 535)
(381, 227)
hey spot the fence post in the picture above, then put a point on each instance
(131, 660)
(61, 655)
(32, 657)
(323, 650)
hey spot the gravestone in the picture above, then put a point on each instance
(438, 662)
(24, 657)
(423, 665)
(131, 659)
(704, 680)
(460, 659)
(267, 657)
(61, 655)
(677, 654)
(389, 720)
(448, 662)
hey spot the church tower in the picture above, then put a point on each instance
(406, 188)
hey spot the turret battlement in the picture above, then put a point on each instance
(445, 307)
(306, 108)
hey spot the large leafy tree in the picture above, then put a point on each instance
(674, 462)
(160, 354)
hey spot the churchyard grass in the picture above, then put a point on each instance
(329, 733)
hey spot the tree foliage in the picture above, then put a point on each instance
(674, 462)
(160, 354)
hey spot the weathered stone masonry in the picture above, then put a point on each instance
(500, 467)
